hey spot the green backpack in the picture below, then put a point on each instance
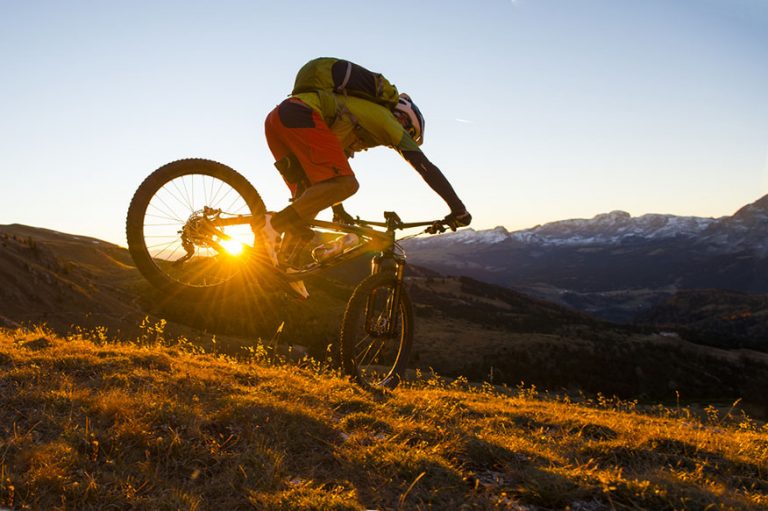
(327, 74)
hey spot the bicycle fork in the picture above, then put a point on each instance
(384, 323)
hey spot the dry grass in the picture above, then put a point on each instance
(90, 424)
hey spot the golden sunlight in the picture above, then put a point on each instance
(232, 246)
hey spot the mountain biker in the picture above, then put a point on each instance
(312, 141)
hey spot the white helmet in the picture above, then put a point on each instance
(414, 120)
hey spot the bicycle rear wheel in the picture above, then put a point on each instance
(377, 332)
(189, 225)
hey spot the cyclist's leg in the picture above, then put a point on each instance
(294, 128)
(314, 199)
(297, 133)
(323, 195)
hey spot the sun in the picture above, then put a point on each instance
(232, 246)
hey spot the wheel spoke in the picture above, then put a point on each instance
(376, 355)
(169, 209)
(190, 202)
(223, 197)
(359, 359)
(214, 196)
(166, 247)
(177, 222)
(166, 212)
(192, 188)
(237, 198)
(205, 191)
(178, 197)
(170, 257)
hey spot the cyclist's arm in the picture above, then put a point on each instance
(435, 179)
(387, 131)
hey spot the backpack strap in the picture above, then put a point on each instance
(343, 110)
(347, 75)
(363, 135)
(329, 106)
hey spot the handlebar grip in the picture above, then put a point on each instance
(437, 227)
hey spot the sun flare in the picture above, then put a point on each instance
(232, 246)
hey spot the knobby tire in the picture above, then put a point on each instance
(152, 186)
(359, 347)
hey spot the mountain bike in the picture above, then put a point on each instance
(193, 227)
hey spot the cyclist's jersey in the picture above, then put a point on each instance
(362, 124)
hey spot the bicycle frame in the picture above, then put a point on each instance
(375, 240)
(387, 251)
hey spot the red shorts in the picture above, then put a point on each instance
(293, 127)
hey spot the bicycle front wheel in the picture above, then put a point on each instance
(377, 332)
(189, 225)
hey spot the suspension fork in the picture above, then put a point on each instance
(393, 298)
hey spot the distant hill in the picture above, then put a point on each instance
(613, 265)
(66, 280)
(710, 316)
(63, 279)
(464, 327)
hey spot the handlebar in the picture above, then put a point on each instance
(393, 222)
(433, 226)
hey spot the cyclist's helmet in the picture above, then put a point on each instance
(413, 121)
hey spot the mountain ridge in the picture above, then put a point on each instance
(614, 265)
(614, 227)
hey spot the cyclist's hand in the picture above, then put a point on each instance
(437, 227)
(340, 216)
(458, 219)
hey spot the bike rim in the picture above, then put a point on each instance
(176, 205)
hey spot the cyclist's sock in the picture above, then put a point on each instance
(269, 237)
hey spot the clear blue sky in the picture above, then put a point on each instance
(537, 110)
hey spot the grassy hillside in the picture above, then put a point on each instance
(87, 423)
(463, 327)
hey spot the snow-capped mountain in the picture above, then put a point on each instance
(607, 228)
(636, 259)
(469, 235)
(614, 227)
(748, 226)
(747, 229)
